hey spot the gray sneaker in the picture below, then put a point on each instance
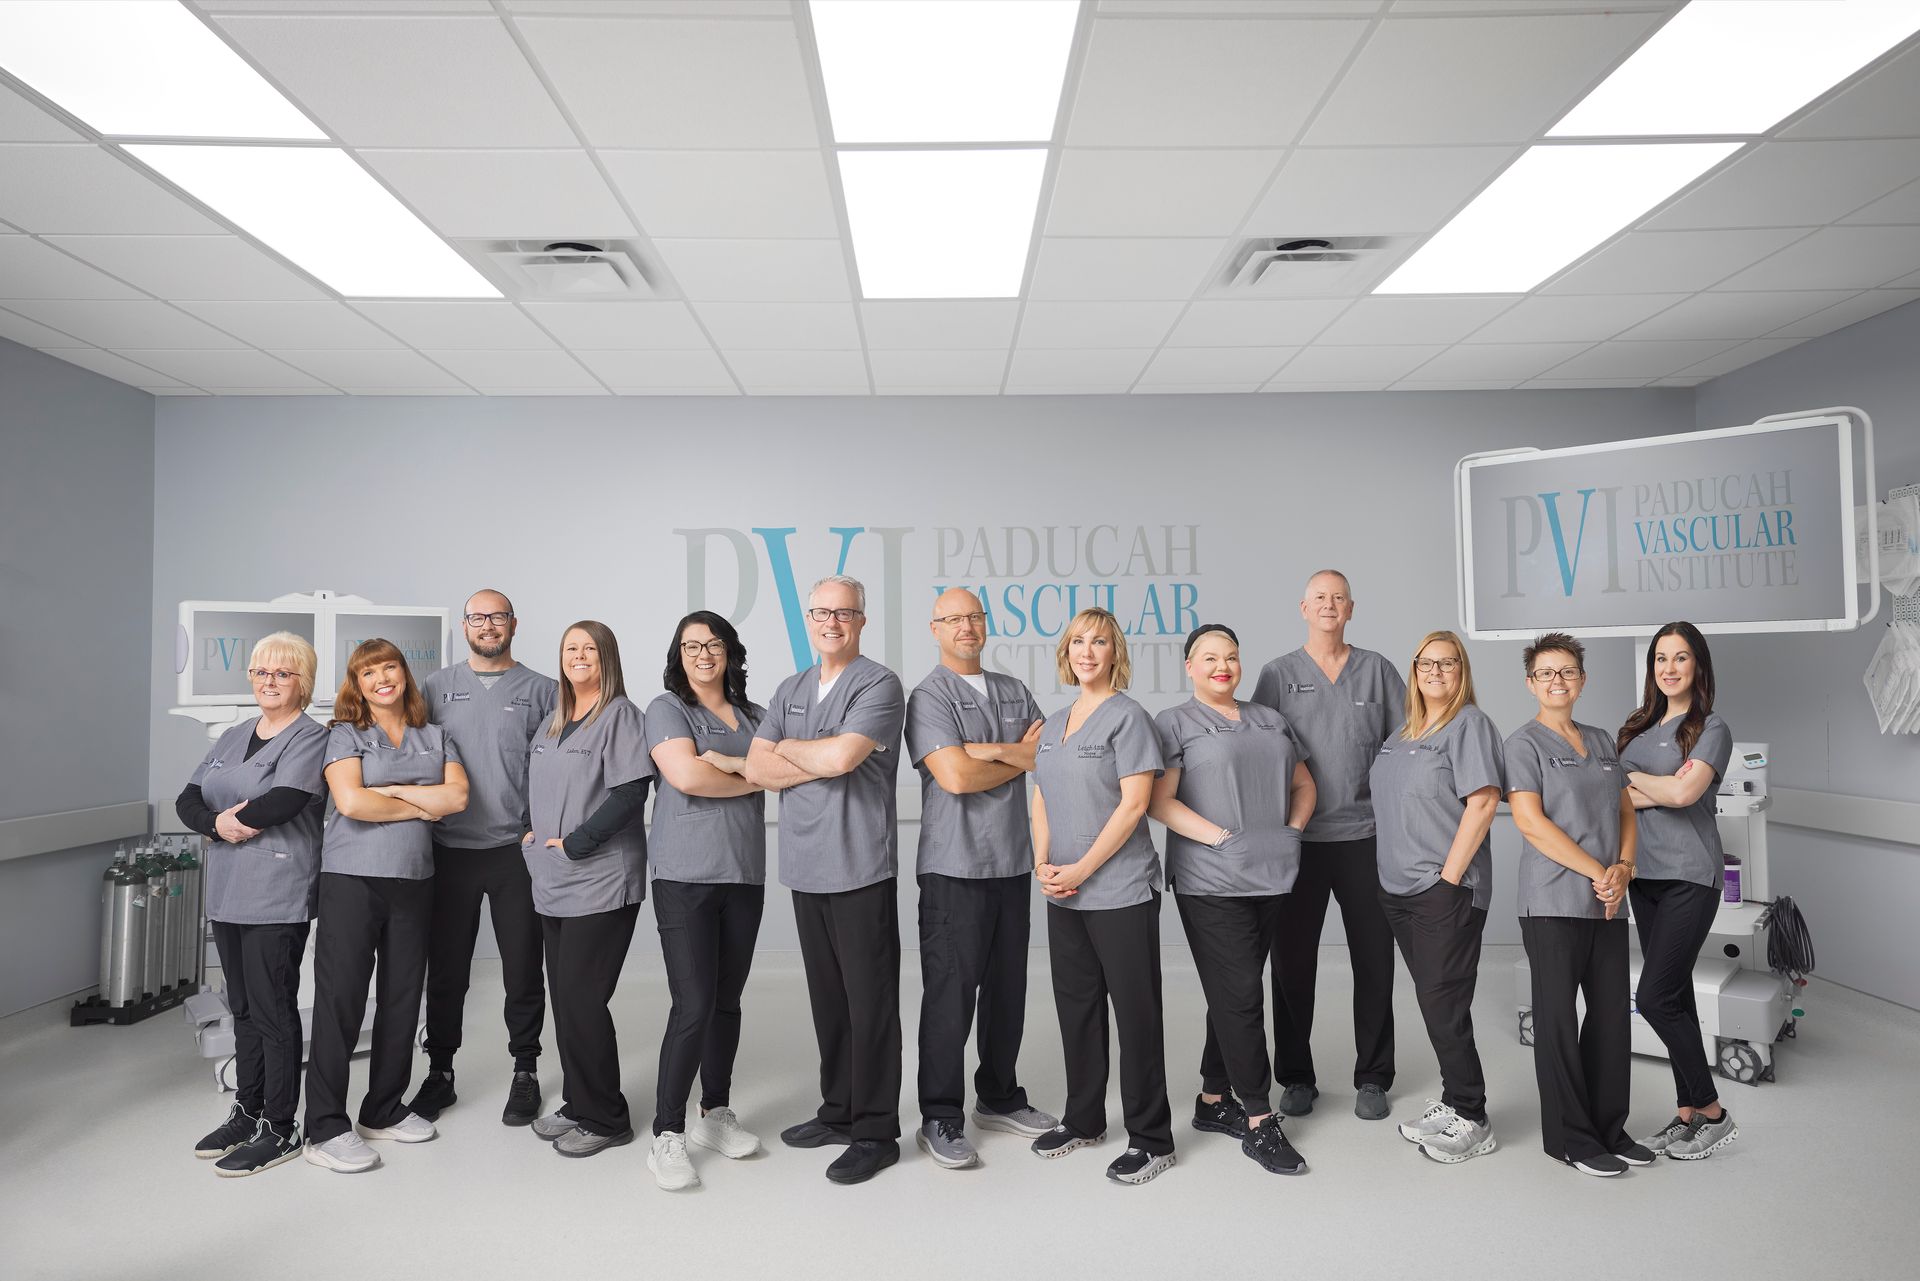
(552, 1126)
(1459, 1140)
(1028, 1123)
(1370, 1103)
(1703, 1138)
(945, 1140)
(1431, 1121)
(1662, 1138)
(343, 1154)
(579, 1142)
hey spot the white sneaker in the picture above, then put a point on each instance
(343, 1154)
(719, 1131)
(1430, 1122)
(672, 1168)
(411, 1128)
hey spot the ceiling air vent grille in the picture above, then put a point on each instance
(571, 269)
(1306, 266)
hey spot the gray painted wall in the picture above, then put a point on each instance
(1802, 692)
(76, 568)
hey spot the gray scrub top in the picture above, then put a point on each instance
(839, 834)
(1683, 843)
(566, 784)
(706, 840)
(1581, 795)
(1342, 724)
(1236, 774)
(402, 849)
(492, 728)
(271, 879)
(1420, 790)
(1079, 780)
(980, 834)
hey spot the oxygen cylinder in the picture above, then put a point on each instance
(106, 916)
(193, 935)
(127, 930)
(174, 920)
(154, 967)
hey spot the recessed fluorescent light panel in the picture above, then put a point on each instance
(944, 70)
(942, 224)
(324, 212)
(1549, 208)
(1738, 66)
(144, 68)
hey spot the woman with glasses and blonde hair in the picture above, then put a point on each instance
(1095, 765)
(390, 776)
(256, 798)
(587, 776)
(1435, 786)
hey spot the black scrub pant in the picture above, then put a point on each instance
(584, 958)
(1673, 919)
(461, 878)
(1113, 955)
(364, 920)
(1344, 870)
(1231, 938)
(850, 945)
(707, 934)
(1582, 1065)
(1439, 931)
(261, 967)
(973, 948)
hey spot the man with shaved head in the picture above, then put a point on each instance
(971, 734)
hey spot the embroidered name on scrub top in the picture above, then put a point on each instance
(1293, 688)
(1091, 751)
(456, 696)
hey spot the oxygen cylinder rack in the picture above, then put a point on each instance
(142, 975)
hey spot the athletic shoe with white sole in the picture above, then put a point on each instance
(411, 1128)
(720, 1131)
(1028, 1123)
(343, 1154)
(1431, 1121)
(1662, 1138)
(672, 1167)
(1137, 1165)
(579, 1142)
(1634, 1154)
(1459, 1140)
(553, 1125)
(237, 1129)
(1059, 1141)
(271, 1145)
(1703, 1138)
(945, 1140)
(1604, 1166)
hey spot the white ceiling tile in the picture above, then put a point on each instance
(192, 267)
(1282, 323)
(1729, 315)
(1452, 8)
(1373, 190)
(338, 6)
(364, 372)
(905, 389)
(109, 365)
(273, 391)
(226, 370)
(1195, 366)
(1884, 104)
(1640, 360)
(1155, 193)
(1242, 8)
(772, 194)
(758, 270)
(492, 371)
(893, 370)
(1205, 82)
(292, 324)
(173, 391)
(611, 325)
(1473, 79)
(21, 121)
(393, 81)
(85, 189)
(472, 325)
(1356, 364)
(658, 8)
(817, 389)
(30, 333)
(1120, 267)
(1117, 387)
(1278, 385)
(551, 195)
(1651, 262)
(1096, 324)
(1902, 208)
(29, 269)
(121, 324)
(1508, 361)
(1745, 354)
(1793, 184)
(1420, 384)
(1852, 311)
(452, 389)
(634, 370)
(1581, 384)
(1836, 258)
(772, 372)
(678, 82)
(1193, 389)
(1077, 368)
(781, 326)
(728, 390)
(910, 324)
(1556, 318)
(1390, 321)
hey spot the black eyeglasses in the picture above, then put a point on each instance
(715, 647)
(1564, 673)
(263, 674)
(1429, 664)
(500, 619)
(954, 620)
(819, 615)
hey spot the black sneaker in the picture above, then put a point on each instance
(1268, 1145)
(1637, 1154)
(814, 1133)
(523, 1100)
(1060, 1140)
(435, 1095)
(237, 1129)
(863, 1159)
(1223, 1116)
(271, 1145)
(1137, 1165)
(1297, 1100)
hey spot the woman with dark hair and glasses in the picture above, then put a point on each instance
(1235, 794)
(1676, 749)
(709, 853)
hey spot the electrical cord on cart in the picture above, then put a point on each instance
(1789, 943)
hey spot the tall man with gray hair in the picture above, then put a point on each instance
(830, 745)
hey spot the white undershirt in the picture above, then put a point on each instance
(978, 680)
(827, 685)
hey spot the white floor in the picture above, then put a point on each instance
(98, 1180)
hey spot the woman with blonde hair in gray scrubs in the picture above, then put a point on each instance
(587, 776)
(1095, 765)
(1235, 794)
(1435, 786)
